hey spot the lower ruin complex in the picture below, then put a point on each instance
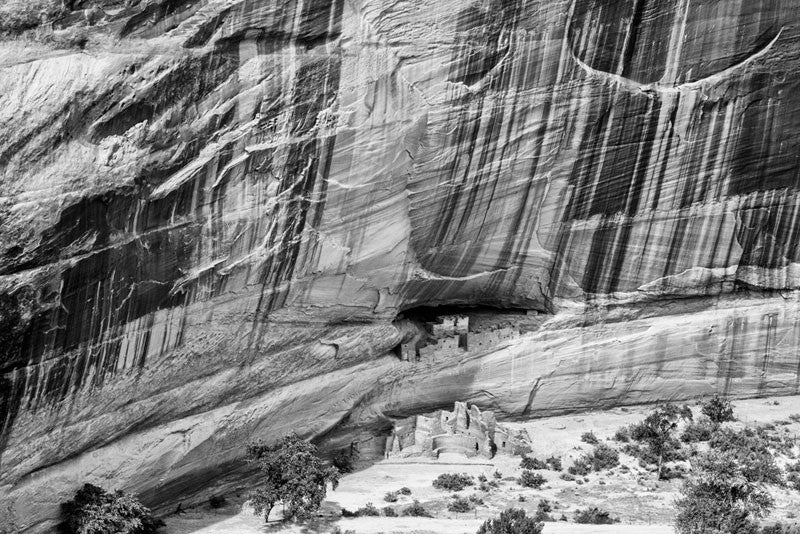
(466, 431)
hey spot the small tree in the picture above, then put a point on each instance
(96, 511)
(656, 430)
(511, 521)
(292, 474)
(728, 491)
(718, 409)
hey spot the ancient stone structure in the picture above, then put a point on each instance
(466, 431)
(213, 217)
(450, 336)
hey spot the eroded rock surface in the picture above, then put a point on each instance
(217, 220)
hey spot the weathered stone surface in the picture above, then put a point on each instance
(209, 226)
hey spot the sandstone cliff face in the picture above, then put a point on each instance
(211, 217)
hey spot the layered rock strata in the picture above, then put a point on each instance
(217, 220)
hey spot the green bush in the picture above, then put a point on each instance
(476, 499)
(391, 496)
(727, 492)
(453, 481)
(622, 435)
(581, 467)
(603, 457)
(512, 521)
(96, 511)
(532, 463)
(590, 438)
(594, 516)
(405, 491)
(554, 462)
(543, 509)
(718, 409)
(701, 430)
(752, 450)
(459, 505)
(368, 510)
(344, 460)
(416, 510)
(497, 475)
(529, 479)
(389, 512)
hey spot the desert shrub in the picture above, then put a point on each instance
(368, 510)
(544, 506)
(348, 513)
(543, 509)
(511, 521)
(416, 510)
(482, 478)
(622, 435)
(701, 430)
(751, 449)
(216, 501)
(96, 511)
(590, 438)
(603, 457)
(795, 417)
(594, 516)
(391, 496)
(673, 472)
(459, 505)
(453, 481)
(292, 473)
(554, 462)
(497, 475)
(489, 486)
(388, 511)
(529, 462)
(344, 460)
(338, 530)
(476, 499)
(522, 449)
(529, 479)
(567, 476)
(718, 409)
(405, 491)
(727, 492)
(581, 467)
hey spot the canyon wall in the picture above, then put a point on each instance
(219, 219)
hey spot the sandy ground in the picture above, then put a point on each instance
(642, 504)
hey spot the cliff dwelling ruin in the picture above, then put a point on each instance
(451, 331)
(466, 431)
